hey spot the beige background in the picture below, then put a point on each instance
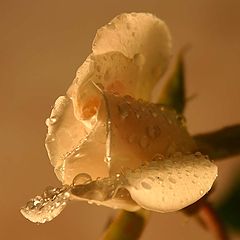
(41, 45)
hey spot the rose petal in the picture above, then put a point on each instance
(113, 71)
(117, 73)
(172, 183)
(64, 132)
(140, 130)
(143, 37)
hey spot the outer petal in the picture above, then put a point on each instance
(173, 183)
(64, 133)
(143, 37)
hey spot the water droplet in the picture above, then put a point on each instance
(77, 155)
(37, 201)
(206, 157)
(50, 138)
(131, 138)
(82, 179)
(156, 71)
(198, 154)
(111, 26)
(158, 157)
(123, 109)
(128, 98)
(172, 180)
(50, 121)
(146, 185)
(144, 141)
(98, 68)
(181, 120)
(170, 122)
(139, 59)
(107, 76)
(159, 179)
(107, 159)
(30, 205)
(153, 111)
(177, 155)
(143, 108)
(50, 192)
(137, 114)
(153, 131)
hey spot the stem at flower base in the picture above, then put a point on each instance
(221, 143)
(127, 226)
(208, 218)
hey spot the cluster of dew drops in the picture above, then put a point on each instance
(45, 207)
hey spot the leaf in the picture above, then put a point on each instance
(221, 143)
(173, 89)
(126, 226)
(229, 208)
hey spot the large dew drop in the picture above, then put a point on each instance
(99, 189)
(82, 179)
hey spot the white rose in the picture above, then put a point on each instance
(113, 149)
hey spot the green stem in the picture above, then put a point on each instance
(221, 143)
(126, 226)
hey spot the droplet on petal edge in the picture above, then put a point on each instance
(82, 179)
(44, 208)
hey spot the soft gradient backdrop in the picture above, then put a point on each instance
(42, 43)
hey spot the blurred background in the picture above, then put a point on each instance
(43, 43)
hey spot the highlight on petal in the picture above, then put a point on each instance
(170, 184)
